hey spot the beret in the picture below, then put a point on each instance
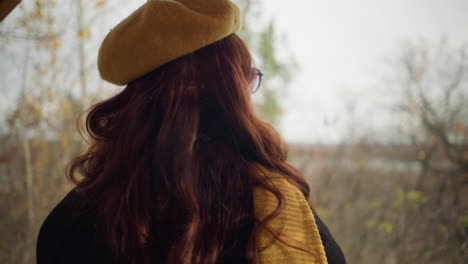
(163, 30)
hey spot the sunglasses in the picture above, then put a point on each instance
(256, 80)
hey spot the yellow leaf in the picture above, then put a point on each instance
(386, 227)
(100, 3)
(51, 20)
(421, 155)
(55, 43)
(84, 33)
(370, 224)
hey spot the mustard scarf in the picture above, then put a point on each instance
(296, 222)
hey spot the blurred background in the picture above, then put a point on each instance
(370, 95)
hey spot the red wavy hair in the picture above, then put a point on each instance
(165, 169)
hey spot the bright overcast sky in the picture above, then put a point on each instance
(340, 44)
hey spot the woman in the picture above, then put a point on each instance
(179, 169)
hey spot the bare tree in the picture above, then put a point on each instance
(434, 105)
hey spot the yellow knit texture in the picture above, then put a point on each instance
(296, 222)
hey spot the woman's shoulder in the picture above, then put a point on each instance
(59, 217)
(67, 227)
(332, 249)
(64, 212)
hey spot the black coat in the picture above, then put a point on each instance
(67, 236)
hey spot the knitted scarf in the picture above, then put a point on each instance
(300, 240)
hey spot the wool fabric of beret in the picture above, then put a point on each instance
(163, 30)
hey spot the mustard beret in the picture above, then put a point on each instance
(161, 31)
